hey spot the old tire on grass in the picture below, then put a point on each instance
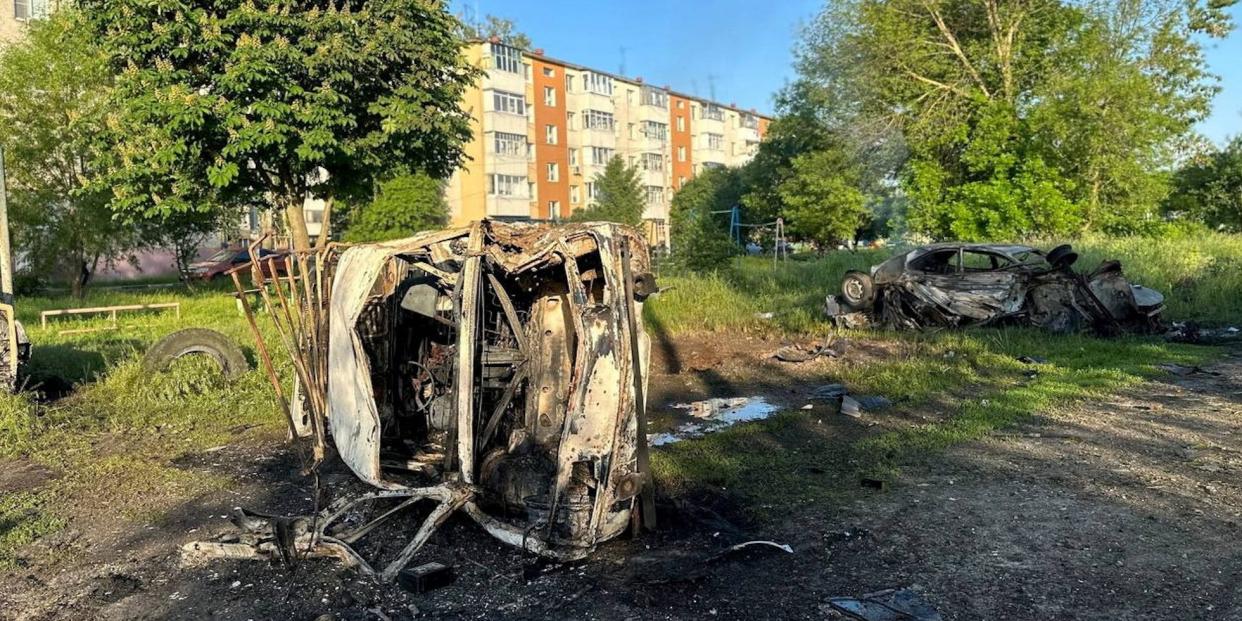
(857, 289)
(190, 341)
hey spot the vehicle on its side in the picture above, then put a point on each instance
(958, 285)
(219, 264)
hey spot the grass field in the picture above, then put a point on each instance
(120, 424)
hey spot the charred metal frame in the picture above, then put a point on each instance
(339, 314)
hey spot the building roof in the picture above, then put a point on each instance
(538, 54)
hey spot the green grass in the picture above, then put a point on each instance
(119, 423)
(1201, 278)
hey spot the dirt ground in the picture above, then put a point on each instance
(1128, 509)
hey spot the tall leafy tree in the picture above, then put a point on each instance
(822, 201)
(1027, 117)
(619, 196)
(700, 234)
(403, 206)
(1209, 188)
(53, 87)
(237, 101)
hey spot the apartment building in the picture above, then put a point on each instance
(544, 128)
(15, 14)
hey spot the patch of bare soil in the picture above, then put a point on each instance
(1120, 510)
(22, 474)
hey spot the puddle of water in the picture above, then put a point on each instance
(715, 414)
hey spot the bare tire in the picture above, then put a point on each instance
(857, 289)
(213, 344)
(1062, 256)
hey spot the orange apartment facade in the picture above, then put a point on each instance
(544, 128)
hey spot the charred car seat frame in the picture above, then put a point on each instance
(498, 369)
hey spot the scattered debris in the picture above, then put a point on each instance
(850, 406)
(958, 285)
(1191, 332)
(874, 403)
(426, 577)
(854, 406)
(889, 605)
(829, 392)
(872, 483)
(741, 546)
(765, 316)
(832, 348)
(1032, 360)
(541, 441)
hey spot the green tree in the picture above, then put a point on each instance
(53, 86)
(402, 206)
(700, 238)
(619, 196)
(822, 201)
(1209, 189)
(1059, 114)
(232, 102)
(503, 28)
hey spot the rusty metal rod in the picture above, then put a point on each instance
(268, 367)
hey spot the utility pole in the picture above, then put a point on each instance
(6, 257)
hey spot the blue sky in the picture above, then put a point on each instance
(740, 48)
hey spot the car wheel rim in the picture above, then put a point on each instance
(853, 289)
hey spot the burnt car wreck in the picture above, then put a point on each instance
(959, 285)
(498, 370)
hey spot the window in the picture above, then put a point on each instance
(549, 72)
(750, 121)
(600, 156)
(654, 97)
(554, 172)
(595, 119)
(651, 161)
(508, 144)
(681, 154)
(509, 103)
(713, 112)
(681, 104)
(979, 261)
(592, 191)
(713, 166)
(507, 58)
(569, 120)
(573, 157)
(681, 123)
(655, 194)
(655, 131)
(549, 96)
(681, 182)
(507, 185)
(597, 83)
(550, 134)
(574, 195)
(715, 142)
(21, 9)
(554, 209)
(569, 83)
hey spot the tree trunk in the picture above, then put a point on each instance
(295, 216)
(325, 228)
(80, 279)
